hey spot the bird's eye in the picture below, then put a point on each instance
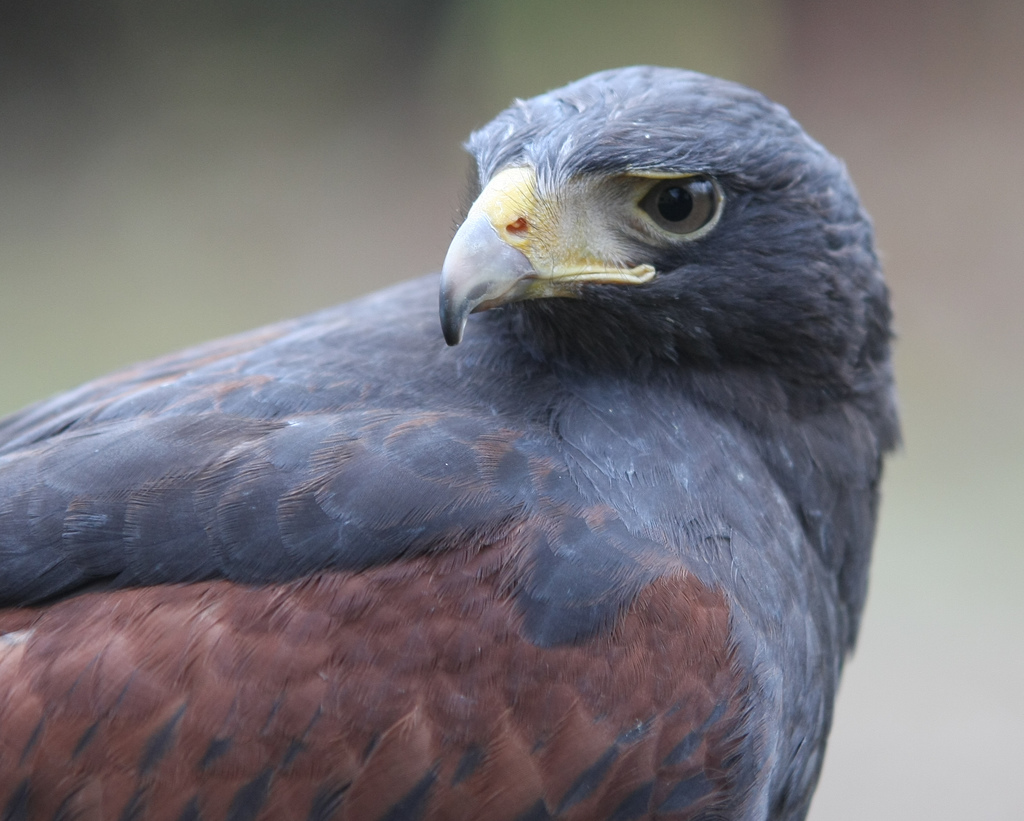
(682, 206)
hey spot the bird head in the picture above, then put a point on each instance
(653, 214)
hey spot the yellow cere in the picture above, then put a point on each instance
(510, 199)
(558, 247)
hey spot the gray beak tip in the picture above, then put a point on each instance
(453, 320)
(480, 271)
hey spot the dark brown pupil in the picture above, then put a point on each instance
(675, 204)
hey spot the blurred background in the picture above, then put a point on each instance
(171, 172)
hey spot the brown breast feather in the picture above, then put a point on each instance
(403, 691)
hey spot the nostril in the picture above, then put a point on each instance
(518, 226)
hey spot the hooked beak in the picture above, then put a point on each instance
(512, 247)
(480, 271)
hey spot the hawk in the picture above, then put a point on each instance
(600, 556)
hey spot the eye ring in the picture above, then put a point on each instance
(686, 207)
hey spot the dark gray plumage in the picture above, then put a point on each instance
(724, 422)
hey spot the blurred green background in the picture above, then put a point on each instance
(171, 172)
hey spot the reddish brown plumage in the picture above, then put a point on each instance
(341, 695)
